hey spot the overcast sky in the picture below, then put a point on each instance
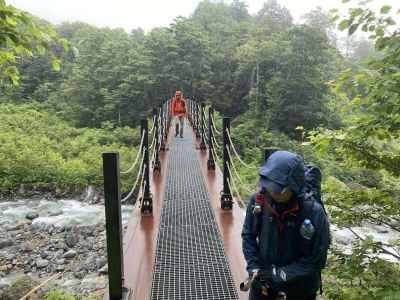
(148, 14)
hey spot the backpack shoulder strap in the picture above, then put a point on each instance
(307, 208)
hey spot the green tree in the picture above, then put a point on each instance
(23, 35)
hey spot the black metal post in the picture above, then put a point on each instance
(194, 116)
(191, 113)
(147, 201)
(112, 198)
(157, 162)
(162, 124)
(198, 125)
(202, 129)
(169, 116)
(226, 196)
(210, 161)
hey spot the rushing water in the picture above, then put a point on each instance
(68, 213)
(60, 213)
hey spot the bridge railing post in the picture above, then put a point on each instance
(197, 113)
(157, 163)
(188, 110)
(112, 203)
(147, 201)
(162, 129)
(169, 116)
(226, 196)
(192, 113)
(210, 161)
(202, 128)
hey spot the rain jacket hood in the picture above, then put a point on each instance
(286, 169)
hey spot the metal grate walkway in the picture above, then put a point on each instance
(190, 261)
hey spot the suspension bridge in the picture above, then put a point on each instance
(183, 240)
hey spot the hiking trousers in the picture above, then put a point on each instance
(179, 124)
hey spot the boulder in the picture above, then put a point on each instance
(70, 254)
(27, 247)
(103, 270)
(5, 243)
(41, 263)
(32, 215)
(101, 262)
(71, 239)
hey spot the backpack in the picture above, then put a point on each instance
(312, 189)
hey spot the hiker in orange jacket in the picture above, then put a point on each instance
(178, 111)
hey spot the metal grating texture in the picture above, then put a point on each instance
(190, 260)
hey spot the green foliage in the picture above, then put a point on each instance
(57, 294)
(371, 137)
(361, 275)
(39, 150)
(23, 35)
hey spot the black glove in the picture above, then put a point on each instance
(262, 282)
(265, 275)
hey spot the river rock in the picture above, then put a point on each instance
(101, 262)
(41, 263)
(71, 283)
(6, 243)
(70, 254)
(32, 215)
(60, 268)
(44, 254)
(3, 285)
(71, 239)
(61, 245)
(27, 247)
(60, 261)
(80, 274)
(89, 283)
(103, 270)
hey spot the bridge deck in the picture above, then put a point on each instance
(197, 252)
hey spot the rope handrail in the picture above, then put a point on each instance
(218, 146)
(136, 159)
(236, 154)
(239, 199)
(153, 125)
(237, 173)
(142, 183)
(141, 172)
(216, 158)
(213, 125)
(153, 141)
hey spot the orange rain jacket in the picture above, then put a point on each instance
(178, 108)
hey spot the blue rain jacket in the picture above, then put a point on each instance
(296, 263)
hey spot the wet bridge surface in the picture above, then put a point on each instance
(189, 248)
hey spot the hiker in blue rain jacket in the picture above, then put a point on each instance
(285, 243)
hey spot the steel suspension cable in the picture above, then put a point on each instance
(236, 154)
(136, 159)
